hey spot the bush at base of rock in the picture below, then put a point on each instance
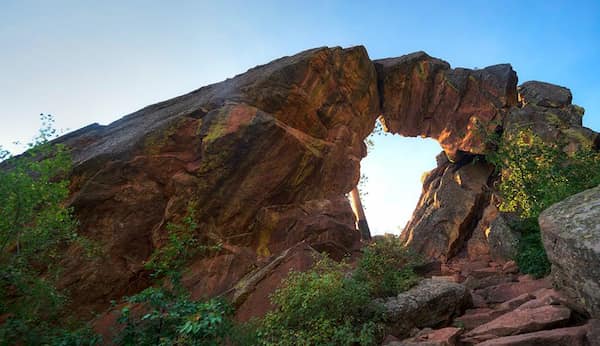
(169, 317)
(322, 306)
(328, 305)
(387, 266)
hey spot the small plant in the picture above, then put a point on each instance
(387, 267)
(182, 244)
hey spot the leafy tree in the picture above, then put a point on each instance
(34, 225)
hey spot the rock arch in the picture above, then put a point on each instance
(267, 157)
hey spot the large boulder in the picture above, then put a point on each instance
(571, 237)
(503, 241)
(431, 303)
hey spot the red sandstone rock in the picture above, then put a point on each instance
(507, 291)
(453, 199)
(476, 317)
(427, 337)
(422, 93)
(515, 302)
(251, 294)
(484, 272)
(573, 336)
(278, 136)
(523, 321)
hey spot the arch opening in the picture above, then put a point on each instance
(391, 184)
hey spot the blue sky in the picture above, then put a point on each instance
(95, 61)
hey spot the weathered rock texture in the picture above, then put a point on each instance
(518, 310)
(452, 215)
(265, 159)
(256, 154)
(449, 209)
(571, 236)
(423, 96)
(429, 304)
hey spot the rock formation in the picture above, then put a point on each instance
(460, 209)
(571, 236)
(265, 160)
(431, 303)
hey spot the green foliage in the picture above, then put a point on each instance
(531, 256)
(322, 306)
(44, 333)
(387, 266)
(34, 226)
(170, 317)
(534, 176)
(182, 244)
(166, 315)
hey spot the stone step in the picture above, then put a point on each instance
(571, 336)
(522, 321)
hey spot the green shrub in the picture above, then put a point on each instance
(170, 317)
(386, 266)
(166, 315)
(322, 306)
(182, 244)
(532, 257)
(535, 175)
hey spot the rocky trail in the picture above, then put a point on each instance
(507, 309)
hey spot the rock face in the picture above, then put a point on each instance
(454, 196)
(571, 236)
(429, 304)
(547, 110)
(265, 159)
(261, 145)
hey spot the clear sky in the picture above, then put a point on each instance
(95, 61)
